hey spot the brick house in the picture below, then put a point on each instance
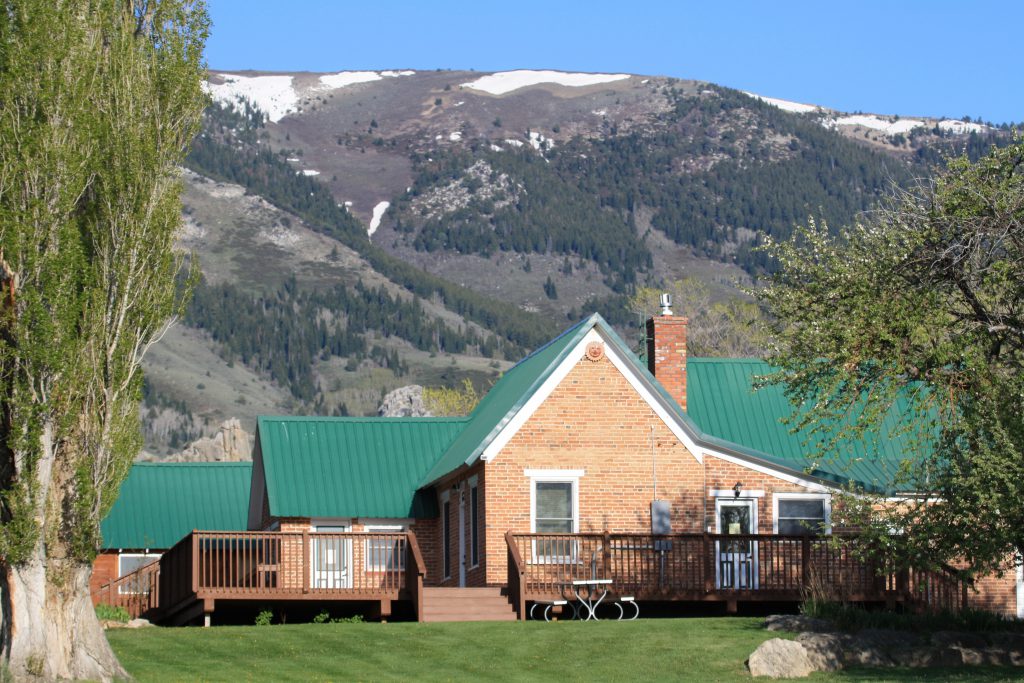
(676, 482)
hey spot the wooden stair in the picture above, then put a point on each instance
(466, 604)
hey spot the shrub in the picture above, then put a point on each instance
(105, 612)
(854, 618)
(354, 619)
(264, 618)
(322, 618)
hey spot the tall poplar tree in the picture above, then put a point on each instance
(99, 100)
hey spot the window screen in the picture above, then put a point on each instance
(554, 514)
(801, 516)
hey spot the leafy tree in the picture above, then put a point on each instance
(918, 312)
(100, 100)
(733, 328)
(451, 401)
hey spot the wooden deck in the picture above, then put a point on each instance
(722, 568)
(206, 567)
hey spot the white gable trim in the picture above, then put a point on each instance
(561, 372)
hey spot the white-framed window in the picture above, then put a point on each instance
(383, 554)
(130, 562)
(796, 514)
(554, 509)
(474, 523)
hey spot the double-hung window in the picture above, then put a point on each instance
(384, 553)
(799, 514)
(555, 510)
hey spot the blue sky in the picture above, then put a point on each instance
(937, 58)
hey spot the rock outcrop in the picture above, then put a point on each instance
(231, 443)
(404, 402)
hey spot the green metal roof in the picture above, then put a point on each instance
(352, 467)
(505, 398)
(159, 503)
(725, 414)
(721, 400)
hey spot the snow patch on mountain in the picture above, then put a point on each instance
(378, 214)
(272, 94)
(962, 127)
(345, 78)
(507, 81)
(879, 123)
(786, 105)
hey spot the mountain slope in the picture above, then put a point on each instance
(370, 229)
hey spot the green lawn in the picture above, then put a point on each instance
(712, 649)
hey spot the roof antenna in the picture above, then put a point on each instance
(666, 304)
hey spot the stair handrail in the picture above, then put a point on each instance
(516, 576)
(136, 602)
(415, 571)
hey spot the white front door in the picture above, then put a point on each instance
(736, 561)
(330, 558)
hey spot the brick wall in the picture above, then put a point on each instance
(996, 593)
(456, 487)
(595, 421)
(104, 570)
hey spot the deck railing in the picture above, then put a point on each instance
(415, 573)
(138, 592)
(248, 564)
(701, 566)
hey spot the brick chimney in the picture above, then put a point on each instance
(666, 351)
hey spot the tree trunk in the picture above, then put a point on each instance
(49, 630)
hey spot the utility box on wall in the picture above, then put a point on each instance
(661, 517)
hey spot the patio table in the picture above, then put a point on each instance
(590, 593)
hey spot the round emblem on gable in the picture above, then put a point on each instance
(595, 351)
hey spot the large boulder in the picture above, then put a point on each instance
(917, 656)
(824, 650)
(404, 402)
(867, 648)
(778, 658)
(1012, 644)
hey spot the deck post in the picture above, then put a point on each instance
(805, 560)
(208, 605)
(383, 610)
(305, 561)
(195, 561)
(708, 564)
(606, 555)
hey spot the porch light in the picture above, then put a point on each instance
(737, 489)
